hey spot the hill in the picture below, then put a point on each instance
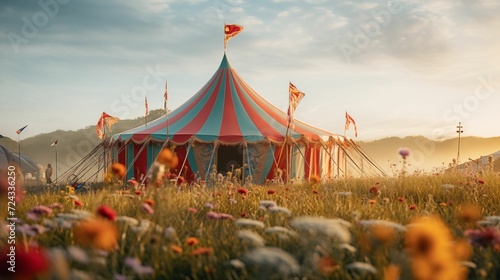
(71, 145)
(427, 154)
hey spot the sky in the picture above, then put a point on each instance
(399, 68)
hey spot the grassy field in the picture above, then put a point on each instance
(444, 226)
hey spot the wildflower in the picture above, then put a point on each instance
(270, 260)
(480, 181)
(243, 214)
(176, 249)
(128, 220)
(281, 230)
(147, 208)
(372, 201)
(168, 158)
(137, 267)
(443, 204)
(78, 203)
(375, 191)
(335, 228)
(98, 233)
(267, 203)
(55, 205)
(314, 180)
(413, 207)
(484, 237)
(392, 272)
(78, 254)
(192, 210)
(400, 199)
(249, 223)
(383, 234)
(138, 192)
(242, 191)
(469, 213)
(344, 194)
(326, 265)
(106, 212)
(271, 191)
(133, 182)
(37, 211)
(384, 223)
(462, 249)
(118, 169)
(251, 238)
(386, 200)
(70, 189)
(192, 241)
(150, 202)
(447, 186)
(30, 263)
(362, 267)
(404, 152)
(202, 251)
(279, 209)
(31, 230)
(237, 264)
(315, 192)
(428, 242)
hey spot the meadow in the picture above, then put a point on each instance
(441, 226)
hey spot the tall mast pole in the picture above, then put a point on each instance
(459, 131)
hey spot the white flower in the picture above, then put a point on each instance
(390, 224)
(447, 186)
(170, 234)
(334, 228)
(267, 203)
(269, 262)
(237, 264)
(128, 220)
(362, 267)
(249, 223)
(344, 194)
(279, 209)
(281, 230)
(251, 238)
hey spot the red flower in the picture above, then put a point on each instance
(137, 192)
(243, 215)
(400, 199)
(374, 190)
(480, 181)
(242, 191)
(413, 206)
(78, 203)
(271, 191)
(106, 212)
(202, 251)
(29, 263)
(315, 192)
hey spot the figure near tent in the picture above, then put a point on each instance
(48, 174)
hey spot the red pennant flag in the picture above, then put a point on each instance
(21, 129)
(231, 30)
(166, 98)
(107, 120)
(348, 121)
(146, 105)
(295, 97)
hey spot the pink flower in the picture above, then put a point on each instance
(192, 210)
(487, 236)
(37, 211)
(404, 152)
(147, 208)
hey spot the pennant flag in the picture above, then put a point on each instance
(107, 120)
(166, 98)
(348, 121)
(54, 144)
(21, 129)
(295, 97)
(146, 105)
(231, 30)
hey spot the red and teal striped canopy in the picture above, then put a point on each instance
(226, 109)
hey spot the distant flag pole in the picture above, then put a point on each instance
(147, 110)
(55, 147)
(294, 98)
(165, 95)
(348, 121)
(231, 30)
(19, 143)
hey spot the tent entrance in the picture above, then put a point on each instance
(227, 156)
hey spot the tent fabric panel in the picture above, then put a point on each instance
(260, 160)
(141, 164)
(230, 126)
(130, 159)
(297, 171)
(187, 172)
(193, 164)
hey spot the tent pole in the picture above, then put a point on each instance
(183, 163)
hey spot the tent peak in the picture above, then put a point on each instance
(225, 62)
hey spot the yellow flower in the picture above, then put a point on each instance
(98, 233)
(429, 245)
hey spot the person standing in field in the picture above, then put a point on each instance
(48, 174)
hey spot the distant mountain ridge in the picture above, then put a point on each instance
(426, 154)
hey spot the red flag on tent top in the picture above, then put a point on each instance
(107, 120)
(166, 97)
(348, 121)
(21, 129)
(146, 105)
(231, 30)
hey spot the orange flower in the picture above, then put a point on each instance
(118, 169)
(372, 201)
(168, 158)
(202, 251)
(150, 202)
(176, 249)
(98, 233)
(314, 180)
(469, 213)
(192, 241)
(326, 265)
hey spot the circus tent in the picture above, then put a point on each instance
(226, 126)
